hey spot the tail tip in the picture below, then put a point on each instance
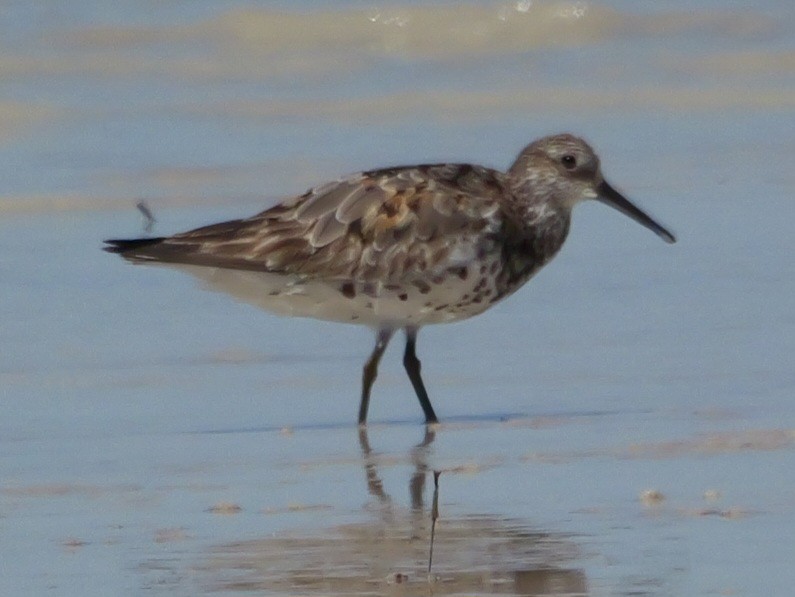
(122, 246)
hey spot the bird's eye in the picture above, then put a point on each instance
(569, 161)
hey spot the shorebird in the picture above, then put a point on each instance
(399, 248)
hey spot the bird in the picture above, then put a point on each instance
(398, 248)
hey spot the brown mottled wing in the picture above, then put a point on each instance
(386, 225)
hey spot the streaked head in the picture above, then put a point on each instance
(564, 169)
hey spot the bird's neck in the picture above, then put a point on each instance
(537, 208)
(544, 228)
(536, 233)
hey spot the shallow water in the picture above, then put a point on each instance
(134, 403)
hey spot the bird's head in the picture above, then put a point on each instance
(563, 170)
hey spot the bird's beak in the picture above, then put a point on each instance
(609, 196)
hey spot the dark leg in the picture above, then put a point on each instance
(371, 370)
(412, 365)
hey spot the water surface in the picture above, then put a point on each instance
(133, 403)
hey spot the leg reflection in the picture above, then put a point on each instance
(419, 458)
(375, 486)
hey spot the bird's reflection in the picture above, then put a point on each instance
(388, 554)
(419, 457)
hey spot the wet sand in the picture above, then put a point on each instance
(327, 510)
(621, 426)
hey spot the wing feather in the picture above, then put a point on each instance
(386, 225)
(360, 204)
(326, 199)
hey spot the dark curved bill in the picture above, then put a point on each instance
(609, 196)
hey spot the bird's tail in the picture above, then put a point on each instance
(124, 246)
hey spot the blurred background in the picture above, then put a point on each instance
(229, 101)
(215, 110)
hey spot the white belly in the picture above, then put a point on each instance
(374, 304)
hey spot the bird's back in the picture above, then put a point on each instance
(415, 245)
